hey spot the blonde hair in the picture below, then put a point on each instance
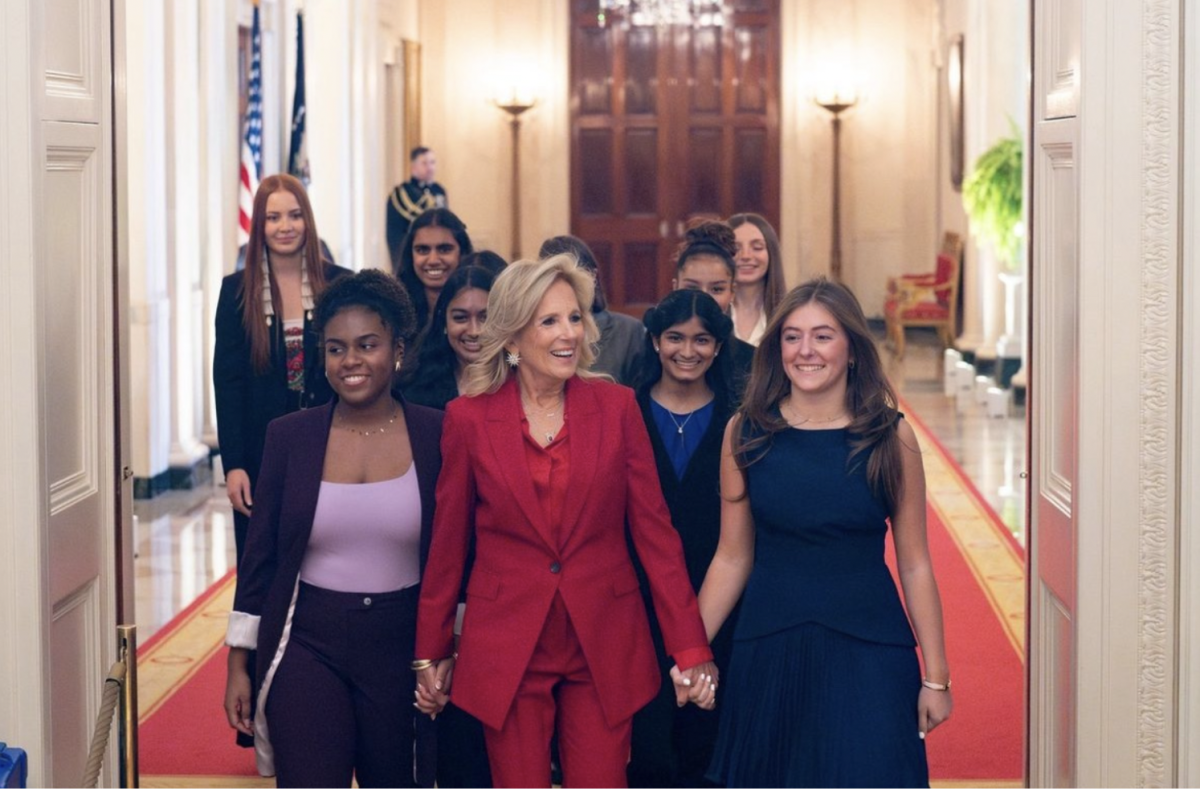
(512, 303)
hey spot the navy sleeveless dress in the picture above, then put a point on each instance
(822, 686)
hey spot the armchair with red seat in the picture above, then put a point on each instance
(929, 299)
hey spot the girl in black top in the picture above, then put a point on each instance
(451, 341)
(436, 242)
(685, 402)
(266, 362)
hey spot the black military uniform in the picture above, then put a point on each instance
(406, 202)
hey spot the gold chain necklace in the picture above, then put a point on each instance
(544, 416)
(372, 431)
(805, 420)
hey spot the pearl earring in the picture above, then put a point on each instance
(397, 365)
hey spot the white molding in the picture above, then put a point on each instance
(24, 699)
(1188, 744)
(1158, 373)
(1128, 393)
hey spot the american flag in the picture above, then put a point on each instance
(251, 166)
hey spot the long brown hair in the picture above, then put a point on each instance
(870, 399)
(253, 318)
(776, 284)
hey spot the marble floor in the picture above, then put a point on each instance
(185, 538)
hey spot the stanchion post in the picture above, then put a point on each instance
(128, 726)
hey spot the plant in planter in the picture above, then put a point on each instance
(992, 195)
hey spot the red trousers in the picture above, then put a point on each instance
(557, 692)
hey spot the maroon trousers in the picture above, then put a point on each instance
(341, 703)
(557, 693)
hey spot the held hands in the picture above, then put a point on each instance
(237, 488)
(433, 686)
(933, 708)
(697, 685)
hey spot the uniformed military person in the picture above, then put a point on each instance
(409, 199)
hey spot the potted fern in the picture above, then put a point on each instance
(993, 197)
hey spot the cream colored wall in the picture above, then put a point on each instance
(468, 48)
(889, 142)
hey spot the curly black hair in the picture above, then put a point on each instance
(374, 290)
(708, 237)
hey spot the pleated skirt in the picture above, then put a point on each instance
(809, 706)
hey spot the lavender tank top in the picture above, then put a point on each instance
(366, 537)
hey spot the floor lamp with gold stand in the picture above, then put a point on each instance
(835, 106)
(516, 104)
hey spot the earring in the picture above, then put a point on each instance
(513, 358)
(397, 365)
(656, 349)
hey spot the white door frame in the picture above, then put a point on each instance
(1127, 494)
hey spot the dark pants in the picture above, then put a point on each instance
(341, 703)
(558, 693)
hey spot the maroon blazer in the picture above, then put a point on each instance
(285, 501)
(485, 491)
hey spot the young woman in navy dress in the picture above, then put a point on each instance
(824, 687)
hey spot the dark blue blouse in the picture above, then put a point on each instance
(681, 433)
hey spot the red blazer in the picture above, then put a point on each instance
(485, 491)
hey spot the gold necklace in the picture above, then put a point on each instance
(543, 416)
(372, 431)
(805, 420)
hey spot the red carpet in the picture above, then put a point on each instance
(181, 690)
(184, 733)
(188, 735)
(983, 738)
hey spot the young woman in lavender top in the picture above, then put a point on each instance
(328, 587)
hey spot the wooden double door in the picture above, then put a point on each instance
(669, 123)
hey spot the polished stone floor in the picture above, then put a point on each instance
(185, 538)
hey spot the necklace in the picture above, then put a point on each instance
(805, 420)
(680, 425)
(543, 416)
(372, 431)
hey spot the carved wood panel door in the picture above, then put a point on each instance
(1053, 651)
(669, 122)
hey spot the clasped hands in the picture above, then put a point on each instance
(433, 686)
(698, 685)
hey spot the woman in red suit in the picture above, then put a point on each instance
(544, 465)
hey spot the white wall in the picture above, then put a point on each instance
(996, 81)
(471, 135)
(184, 129)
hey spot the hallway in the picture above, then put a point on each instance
(185, 541)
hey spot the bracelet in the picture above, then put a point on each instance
(421, 665)
(934, 685)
